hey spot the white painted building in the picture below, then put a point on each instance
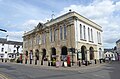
(8, 49)
(88, 34)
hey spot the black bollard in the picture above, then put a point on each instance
(25, 61)
(36, 62)
(42, 62)
(100, 61)
(86, 63)
(79, 64)
(63, 64)
(2, 60)
(95, 61)
(48, 63)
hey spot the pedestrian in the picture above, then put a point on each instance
(26, 57)
(31, 56)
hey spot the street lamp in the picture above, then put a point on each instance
(3, 30)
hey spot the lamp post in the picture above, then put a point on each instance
(3, 30)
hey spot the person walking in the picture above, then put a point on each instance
(31, 56)
(26, 57)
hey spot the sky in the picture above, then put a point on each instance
(19, 16)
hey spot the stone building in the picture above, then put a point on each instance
(118, 48)
(70, 34)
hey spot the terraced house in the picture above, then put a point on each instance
(70, 34)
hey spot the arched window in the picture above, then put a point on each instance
(84, 32)
(65, 33)
(55, 31)
(88, 34)
(60, 33)
(51, 35)
(91, 35)
(80, 31)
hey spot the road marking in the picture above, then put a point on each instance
(3, 76)
(98, 75)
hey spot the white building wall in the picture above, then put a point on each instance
(77, 32)
(9, 49)
(95, 37)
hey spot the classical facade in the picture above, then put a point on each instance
(70, 34)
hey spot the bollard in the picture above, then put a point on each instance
(63, 64)
(100, 61)
(86, 63)
(79, 64)
(2, 60)
(25, 61)
(95, 61)
(41, 62)
(48, 63)
(35, 61)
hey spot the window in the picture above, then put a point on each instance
(2, 50)
(55, 34)
(60, 32)
(14, 46)
(40, 42)
(99, 37)
(51, 35)
(91, 35)
(43, 38)
(65, 33)
(14, 51)
(80, 31)
(37, 39)
(88, 34)
(2, 44)
(84, 32)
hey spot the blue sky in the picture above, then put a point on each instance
(17, 16)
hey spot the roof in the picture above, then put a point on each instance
(2, 40)
(63, 17)
(73, 14)
(118, 41)
(108, 50)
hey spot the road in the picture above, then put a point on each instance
(17, 71)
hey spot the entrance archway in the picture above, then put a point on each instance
(91, 50)
(43, 54)
(64, 53)
(53, 53)
(83, 51)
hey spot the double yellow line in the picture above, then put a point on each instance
(3, 76)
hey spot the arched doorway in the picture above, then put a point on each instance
(91, 50)
(53, 54)
(83, 51)
(43, 54)
(64, 53)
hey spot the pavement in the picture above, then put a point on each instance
(109, 70)
(72, 68)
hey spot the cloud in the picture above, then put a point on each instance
(104, 13)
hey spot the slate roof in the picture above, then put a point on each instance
(2, 40)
